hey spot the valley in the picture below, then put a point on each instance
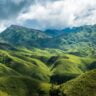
(38, 63)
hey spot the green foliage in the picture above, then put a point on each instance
(33, 71)
(24, 36)
(18, 86)
(79, 41)
(29, 67)
(36, 63)
(84, 85)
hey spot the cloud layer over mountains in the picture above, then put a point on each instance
(44, 14)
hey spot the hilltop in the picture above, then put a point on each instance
(77, 40)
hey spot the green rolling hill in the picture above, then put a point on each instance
(38, 63)
(56, 69)
(84, 85)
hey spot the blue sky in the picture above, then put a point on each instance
(45, 14)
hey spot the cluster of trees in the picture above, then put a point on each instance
(54, 91)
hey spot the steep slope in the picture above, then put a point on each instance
(78, 41)
(84, 85)
(6, 46)
(67, 67)
(27, 67)
(33, 71)
(19, 86)
(47, 66)
(6, 71)
(21, 36)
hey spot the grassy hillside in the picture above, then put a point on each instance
(35, 71)
(68, 66)
(42, 64)
(20, 86)
(5, 71)
(31, 67)
(33, 64)
(84, 85)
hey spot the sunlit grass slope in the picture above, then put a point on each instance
(32, 72)
(32, 67)
(20, 86)
(84, 85)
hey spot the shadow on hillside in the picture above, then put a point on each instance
(59, 79)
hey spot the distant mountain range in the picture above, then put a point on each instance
(21, 36)
(76, 40)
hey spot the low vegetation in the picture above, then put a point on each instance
(36, 63)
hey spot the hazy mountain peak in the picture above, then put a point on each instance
(68, 39)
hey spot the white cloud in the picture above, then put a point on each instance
(2, 27)
(57, 14)
(62, 13)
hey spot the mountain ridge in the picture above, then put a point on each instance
(76, 39)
